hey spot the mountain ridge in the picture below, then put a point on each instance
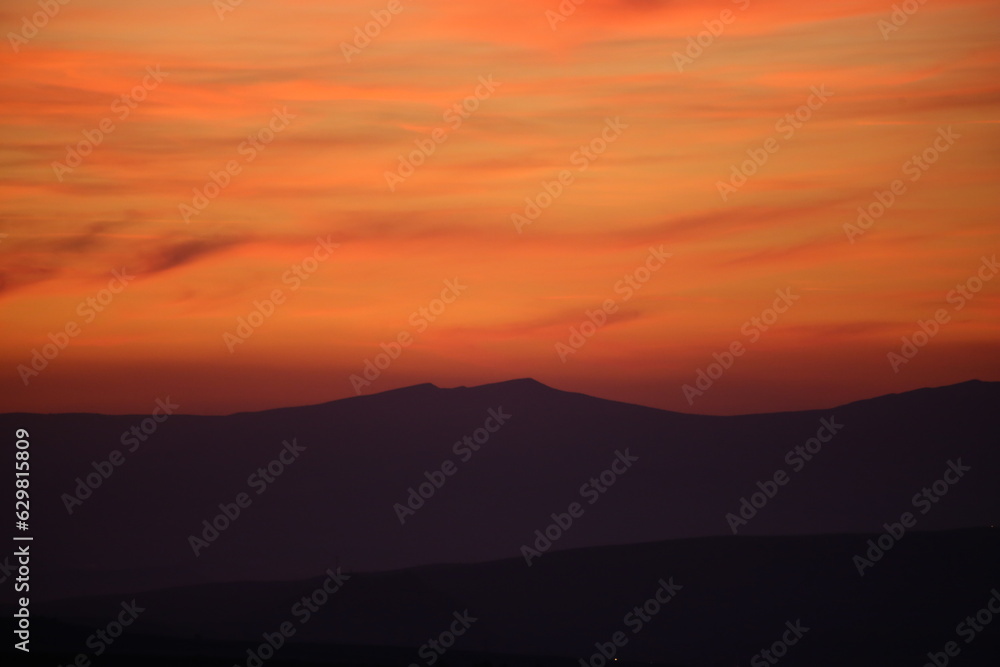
(748, 586)
(363, 459)
(528, 383)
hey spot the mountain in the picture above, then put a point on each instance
(349, 466)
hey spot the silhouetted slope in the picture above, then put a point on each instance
(735, 597)
(363, 454)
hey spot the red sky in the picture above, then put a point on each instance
(676, 126)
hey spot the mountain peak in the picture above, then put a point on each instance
(518, 383)
(522, 382)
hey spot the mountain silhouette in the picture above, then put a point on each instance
(339, 500)
(734, 597)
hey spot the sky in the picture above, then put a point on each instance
(247, 205)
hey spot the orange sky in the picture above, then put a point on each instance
(331, 122)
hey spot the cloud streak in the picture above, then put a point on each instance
(324, 176)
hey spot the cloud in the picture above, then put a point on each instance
(179, 253)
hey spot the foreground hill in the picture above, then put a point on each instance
(732, 598)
